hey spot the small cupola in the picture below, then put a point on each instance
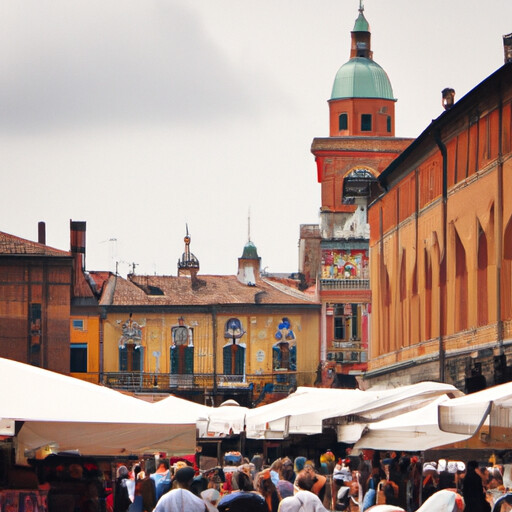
(249, 265)
(361, 37)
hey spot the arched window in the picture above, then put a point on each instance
(131, 351)
(131, 358)
(358, 184)
(233, 352)
(461, 285)
(343, 121)
(366, 122)
(284, 352)
(182, 349)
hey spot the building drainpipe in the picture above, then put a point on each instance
(103, 316)
(442, 307)
(214, 347)
(323, 339)
(499, 226)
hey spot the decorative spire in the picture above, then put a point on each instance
(361, 6)
(188, 260)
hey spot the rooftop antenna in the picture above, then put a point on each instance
(249, 225)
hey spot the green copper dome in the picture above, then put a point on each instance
(361, 78)
(250, 251)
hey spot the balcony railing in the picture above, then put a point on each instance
(278, 381)
(349, 351)
(345, 284)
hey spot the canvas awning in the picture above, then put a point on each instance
(386, 404)
(71, 414)
(227, 419)
(416, 430)
(309, 410)
(467, 414)
(301, 412)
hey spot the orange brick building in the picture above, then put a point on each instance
(441, 248)
(361, 144)
(35, 298)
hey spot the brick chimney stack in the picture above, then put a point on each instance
(507, 46)
(77, 232)
(41, 233)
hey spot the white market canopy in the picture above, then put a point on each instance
(229, 418)
(225, 420)
(467, 414)
(309, 410)
(301, 412)
(415, 430)
(387, 403)
(71, 414)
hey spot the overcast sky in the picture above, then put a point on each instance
(142, 116)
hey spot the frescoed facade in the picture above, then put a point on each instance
(215, 336)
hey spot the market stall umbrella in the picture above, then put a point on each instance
(416, 430)
(71, 414)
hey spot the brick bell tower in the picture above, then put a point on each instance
(361, 144)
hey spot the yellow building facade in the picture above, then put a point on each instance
(208, 337)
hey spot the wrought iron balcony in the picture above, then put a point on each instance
(345, 284)
(278, 381)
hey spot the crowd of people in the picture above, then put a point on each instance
(352, 484)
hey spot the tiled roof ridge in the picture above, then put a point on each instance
(289, 291)
(14, 244)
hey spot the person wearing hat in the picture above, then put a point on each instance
(181, 499)
(430, 480)
(211, 497)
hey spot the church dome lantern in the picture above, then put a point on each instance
(362, 101)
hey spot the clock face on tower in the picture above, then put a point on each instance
(180, 335)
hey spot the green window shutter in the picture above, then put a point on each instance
(240, 360)
(138, 359)
(226, 352)
(189, 360)
(293, 358)
(276, 357)
(174, 360)
(123, 359)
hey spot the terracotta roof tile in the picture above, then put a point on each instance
(12, 245)
(170, 290)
